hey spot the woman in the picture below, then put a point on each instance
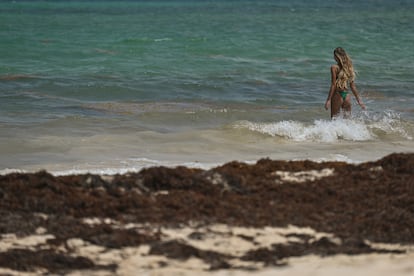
(342, 75)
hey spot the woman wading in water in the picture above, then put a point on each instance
(342, 75)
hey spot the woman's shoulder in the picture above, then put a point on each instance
(334, 68)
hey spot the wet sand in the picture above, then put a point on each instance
(285, 217)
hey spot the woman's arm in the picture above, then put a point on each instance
(356, 94)
(333, 86)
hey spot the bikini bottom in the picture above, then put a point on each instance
(343, 94)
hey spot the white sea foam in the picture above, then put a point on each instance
(9, 171)
(319, 130)
(366, 127)
(389, 122)
(130, 166)
(336, 157)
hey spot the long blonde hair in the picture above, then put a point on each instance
(346, 72)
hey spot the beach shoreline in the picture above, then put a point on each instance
(284, 217)
(204, 150)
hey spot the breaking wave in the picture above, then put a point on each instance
(366, 127)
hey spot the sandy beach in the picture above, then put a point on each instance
(268, 218)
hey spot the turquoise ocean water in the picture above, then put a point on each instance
(115, 86)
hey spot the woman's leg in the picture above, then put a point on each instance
(346, 106)
(336, 103)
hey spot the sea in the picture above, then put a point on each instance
(113, 87)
